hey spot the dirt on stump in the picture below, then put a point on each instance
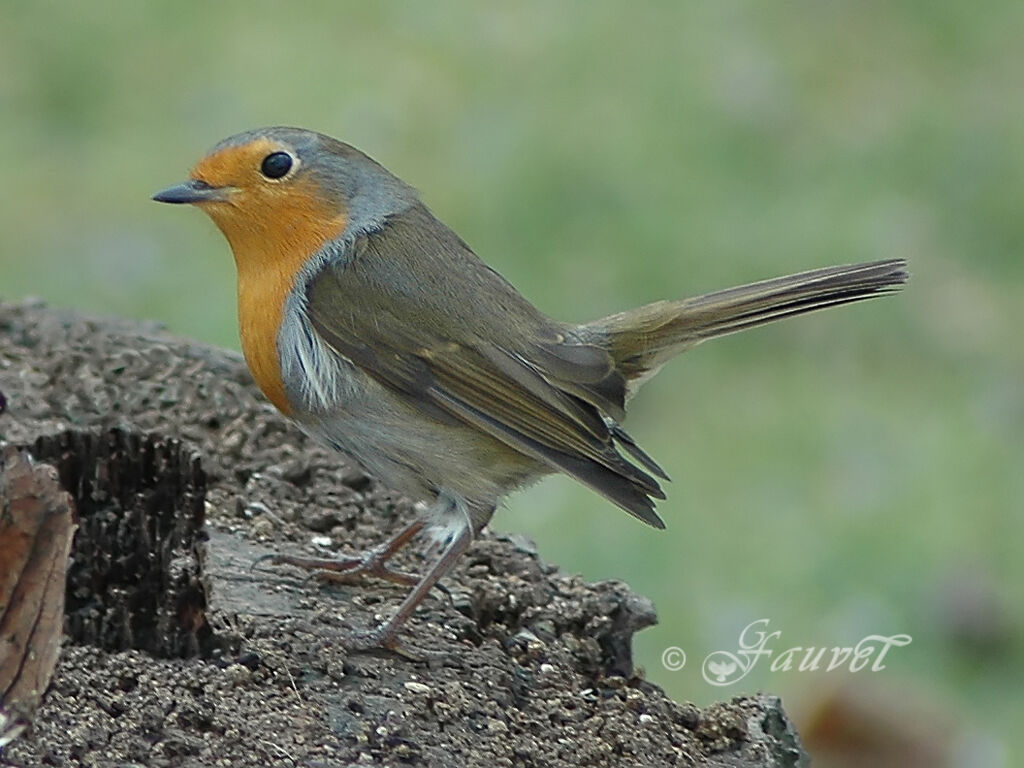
(177, 653)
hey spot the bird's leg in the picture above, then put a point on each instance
(451, 513)
(386, 634)
(373, 562)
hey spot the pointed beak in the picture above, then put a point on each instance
(193, 191)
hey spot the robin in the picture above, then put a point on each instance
(377, 330)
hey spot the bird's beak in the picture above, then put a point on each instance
(193, 191)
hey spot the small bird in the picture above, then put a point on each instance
(378, 331)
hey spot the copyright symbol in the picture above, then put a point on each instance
(673, 658)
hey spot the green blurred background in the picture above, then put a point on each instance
(856, 472)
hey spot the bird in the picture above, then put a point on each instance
(378, 331)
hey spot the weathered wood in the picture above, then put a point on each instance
(36, 526)
(135, 577)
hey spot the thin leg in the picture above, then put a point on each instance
(349, 569)
(385, 634)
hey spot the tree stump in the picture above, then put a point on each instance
(178, 654)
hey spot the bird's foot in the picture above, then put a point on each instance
(345, 570)
(384, 638)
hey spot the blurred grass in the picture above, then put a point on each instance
(842, 475)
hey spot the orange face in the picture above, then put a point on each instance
(274, 224)
(266, 219)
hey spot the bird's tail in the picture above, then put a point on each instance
(641, 340)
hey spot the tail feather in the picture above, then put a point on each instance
(643, 339)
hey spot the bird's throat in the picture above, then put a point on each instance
(268, 266)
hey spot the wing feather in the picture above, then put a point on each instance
(413, 341)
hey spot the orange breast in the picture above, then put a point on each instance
(272, 239)
(260, 309)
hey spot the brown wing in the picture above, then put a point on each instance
(415, 332)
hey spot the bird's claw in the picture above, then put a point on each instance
(384, 638)
(342, 570)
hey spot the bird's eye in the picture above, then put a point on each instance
(276, 164)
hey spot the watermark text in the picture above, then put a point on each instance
(756, 643)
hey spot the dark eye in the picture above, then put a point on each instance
(276, 164)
